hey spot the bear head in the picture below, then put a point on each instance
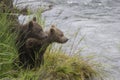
(35, 30)
(57, 35)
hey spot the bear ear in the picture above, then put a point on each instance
(30, 25)
(34, 19)
(53, 26)
(52, 30)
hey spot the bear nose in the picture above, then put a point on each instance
(67, 39)
(46, 36)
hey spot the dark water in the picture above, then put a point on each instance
(98, 21)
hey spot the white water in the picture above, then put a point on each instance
(97, 20)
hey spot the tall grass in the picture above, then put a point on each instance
(7, 47)
(57, 65)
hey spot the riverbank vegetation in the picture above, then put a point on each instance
(57, 65)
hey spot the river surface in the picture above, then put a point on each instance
(96, 22)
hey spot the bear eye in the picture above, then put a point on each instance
(39, 30)
(61, 35)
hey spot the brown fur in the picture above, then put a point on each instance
(26, 54)
(54, 35)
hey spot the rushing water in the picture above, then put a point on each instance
(97, 21)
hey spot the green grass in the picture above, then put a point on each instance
(7, 48)
(57, 64)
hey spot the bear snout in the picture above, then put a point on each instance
(45, 36)
(66, 39)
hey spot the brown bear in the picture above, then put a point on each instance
(30, 30)
(54, 35)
